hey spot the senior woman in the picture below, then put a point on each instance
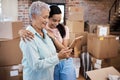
(39, 54)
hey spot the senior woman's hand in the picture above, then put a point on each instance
(64, 53)
(25, 34)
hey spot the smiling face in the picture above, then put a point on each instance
(54, 20)
(41, 20)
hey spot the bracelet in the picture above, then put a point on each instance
(55, 38)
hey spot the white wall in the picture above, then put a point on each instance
(10, 8)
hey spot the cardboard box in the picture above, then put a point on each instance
(116, 62)
(103, 47)
(75, 16)
(76, 13)
(103, 30)
(92, 28)
(76, 9)
(10, 29)
(100, 63)
(10, 52)
(75, 26)
(10, 73)
(99, 29)
(102, 74)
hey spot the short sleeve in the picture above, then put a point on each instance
(67, 33)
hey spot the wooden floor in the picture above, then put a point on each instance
(80, 78)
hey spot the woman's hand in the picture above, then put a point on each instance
(25, 34)
(64, 53)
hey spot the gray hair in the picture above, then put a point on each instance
(37, 7)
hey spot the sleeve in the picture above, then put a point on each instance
(30, 52)
(67, 33)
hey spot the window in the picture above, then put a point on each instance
(0, 6)
(62, 7)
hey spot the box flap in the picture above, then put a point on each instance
(102, 74)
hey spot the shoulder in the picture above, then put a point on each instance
(66, 28)
(26, 42)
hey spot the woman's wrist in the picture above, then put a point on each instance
(54, 38)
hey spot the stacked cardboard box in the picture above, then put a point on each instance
(75, 20)
(10, 53)
(95, 28)
(10, 73)
(103, 30)
(75, 26)
(75, 23)
(9, 29)
(103, 74)
(103, 47)
(106, 62)
(101, 63)
(76, 13)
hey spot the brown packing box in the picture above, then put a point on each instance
(102, 74)
(106, 62)
(95, 28)
(116, 62)
(75, 16)
(100, 63)
(92, 28)
(75, 26)
(10, 29)
(10, 52)
(103, 47)
(10, 73)
(72, 36)
(119, 47)
(75, 9)
(76, 13)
